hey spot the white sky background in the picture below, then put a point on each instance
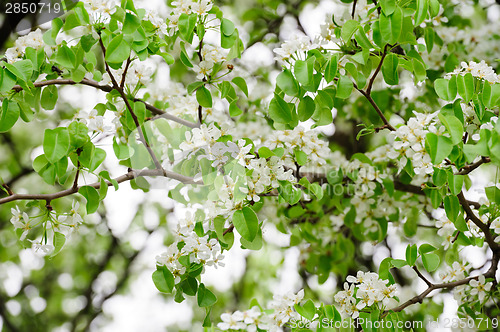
(143, 308)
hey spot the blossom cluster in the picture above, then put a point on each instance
(365, 290)
(307, 141)
(64, 223)
(200, 250)
(283, 311)
(33, 39)
(137, 73)
(294, 48)
(249, 320)
(475, 289)
(200, 7)
(447, 229)
(410, 142)
(210, 56)
(479, 70)
(99, 10)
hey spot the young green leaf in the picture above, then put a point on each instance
(205, 297)
(56, 143)
(344, 87)
(438, 147)
(92, 197)
(9, 113)
(118, 50)
(163, 279)
(204, 97)
(246, 223)
(279, 110)
(390, 69)
(431, 262)
(411, 254)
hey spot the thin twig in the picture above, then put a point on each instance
(108, 88)
(124, 74)
(353, 8)
(421, 276)
(482, 226)
(469, 168)
(432, 287)
(142, 138)
(132, 174)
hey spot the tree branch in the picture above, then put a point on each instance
(132, 174)
(108, 88)
(482, 226)
(469, 168)
(421, 276)
(419, 298)
(129, 107)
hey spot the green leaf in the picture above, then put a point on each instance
(438, 147)
(256, 244)
(50, 36)
(205, 297)
(204, 97)
(49, 97)
(391, 26)
(7, 80)
(431, 262)
(227, 27)
(388, 6)
(186, 25)
(279, 110)
(189, 286)
(287, 83)
(78, 134)
(300, 157)
(240, 83)
(465, 86)
(344, 87)
(306, 108)
(303, 71)
(446, 89)
(58, 243)
(454, 127)
(365, 43)
(56, 143)
(308, 310)
(455, 183)
(169, 59)
(265, 152)
(399, 263)
(92, 197)
(130, 24)
(493, 194)
(434, 8)
(451, 207)
(118, 50)
(491, 95)
(246, 223)
(419, 70)
(390, 69)
(411, 254)
(66, 57)
(9, 114)
(331, 68)
(429, 38)
(163, 279)
(234, 110)
(421, 12)
(348, 30)
(426, 248)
